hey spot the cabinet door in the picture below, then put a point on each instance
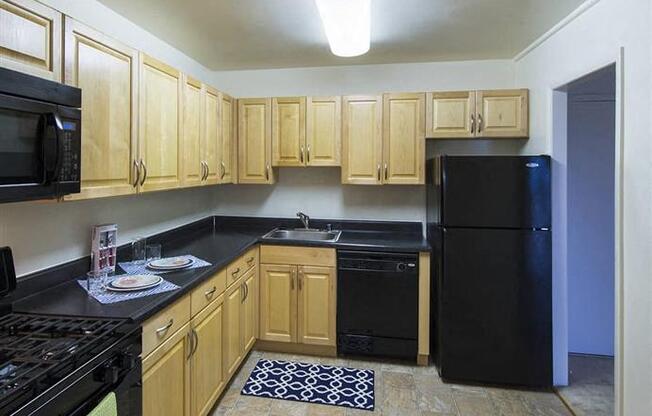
(192, 167)
(106, 71)
(166, 378)
(206, 366)
(232, 340)
(502, 113)
(362, 140)
(254, 141)
(323, 131)
(250, 310)
(211, 136)
(278, 303)
(404, 139)
(227, 139)
(160, 92)
(30, 38)
(450, 114)
(289, 131)
(316, 308)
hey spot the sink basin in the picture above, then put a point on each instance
(303, 235)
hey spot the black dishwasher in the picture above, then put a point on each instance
(377, 303)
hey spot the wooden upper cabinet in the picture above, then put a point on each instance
(404, 138)
(323, 131)
(255, 141)
(502, 113)
(450, 114)
(159, 141)
(278, 302)
(107, 73)
(210, 142)
(316, 305)
(30, 38)
(227, 145)
(289, 131)
(362, 121)
(192, 167)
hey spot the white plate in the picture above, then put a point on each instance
(132, 289)
(136, 281)
(170, 263)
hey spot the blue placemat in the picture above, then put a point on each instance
(107, 296)
(141, 268)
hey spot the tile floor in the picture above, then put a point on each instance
(401, 390)
(591, 385)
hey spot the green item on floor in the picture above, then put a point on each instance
(107, 407)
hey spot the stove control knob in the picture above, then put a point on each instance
(127, 361)
(108, 374)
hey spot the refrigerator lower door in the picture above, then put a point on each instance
(495, 306)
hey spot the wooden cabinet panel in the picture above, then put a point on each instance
(206, 366)
(316, 305)
(254, 141)
(362, 140)
(289, 131)
(30, 38)
(323, 131)
(160, 92)
(166, 378)
(250, 310)
(107, 72)
(192, 131)
(450, 114)
(227, 139)
(309, 256)
(278, 303)
(502, 113)
(211, 137)
(207, 292)
(404, 139)
(232, 339)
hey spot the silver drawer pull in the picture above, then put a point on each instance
(250, 260)
(235, 272)
(165, 328)
(211, 292)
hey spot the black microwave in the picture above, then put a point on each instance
(40, 138)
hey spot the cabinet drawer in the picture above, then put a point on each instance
(164, 324)
(309, 256)
(207, 292)
(241, 266)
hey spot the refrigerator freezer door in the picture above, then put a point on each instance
(496, 191)
(495, 307)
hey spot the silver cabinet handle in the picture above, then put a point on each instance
(301, 154)
(379, 172)
(242, 293)
(250, 260)
(386, 172)
(144, 178)
(246, 288)
(196, 343)
(164, 329)
(235, 272)
(208, 170)
(300, 279)
(479, 122)
(190, 341)
(308, 154)
(472, 123)
(223, 170)
(267, 172)
(203, 170)
(136, 173)
(210, 293)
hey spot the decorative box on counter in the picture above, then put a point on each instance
(104, 247)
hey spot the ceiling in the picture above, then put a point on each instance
(248, 34)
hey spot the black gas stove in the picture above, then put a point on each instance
(64, 366)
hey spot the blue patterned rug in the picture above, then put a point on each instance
(312, 383)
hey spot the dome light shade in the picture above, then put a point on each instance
(347, 24)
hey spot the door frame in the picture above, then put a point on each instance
(557, 99)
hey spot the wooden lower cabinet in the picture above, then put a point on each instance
(206, 367)
(278, 302)
(166, 377)
(250, 310)
(316, 305)
(232, 340)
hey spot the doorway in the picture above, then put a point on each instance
(590, 201)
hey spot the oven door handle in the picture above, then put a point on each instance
(53, 130)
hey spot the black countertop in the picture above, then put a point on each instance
(218, 240)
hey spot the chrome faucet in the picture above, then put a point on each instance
(304, 219)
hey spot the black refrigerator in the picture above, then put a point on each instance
(488, 221)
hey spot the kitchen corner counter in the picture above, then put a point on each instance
(218, 240)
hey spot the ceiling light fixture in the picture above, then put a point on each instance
(347, 25)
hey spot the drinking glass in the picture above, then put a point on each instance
(153, 251)
(96, 280)
(138, 253)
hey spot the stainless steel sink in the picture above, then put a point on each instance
(303, 235)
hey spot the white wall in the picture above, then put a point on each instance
(591, 41)
(42, 235)
(591, 153)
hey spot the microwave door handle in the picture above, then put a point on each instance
(53, 122)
